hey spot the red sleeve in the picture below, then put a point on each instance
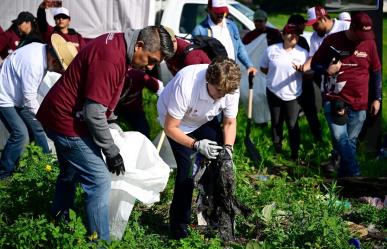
(82, 42)
(320, 57)
(196, 56)
(247, 38)
(140, 77)
(103, 81)
(3, 42)
(374, 60)
(1, 30)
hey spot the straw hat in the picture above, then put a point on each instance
(65, 51)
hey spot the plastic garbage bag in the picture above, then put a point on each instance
(261, 112)
(166, 152)
(146, 175)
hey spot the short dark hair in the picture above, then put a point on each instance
(157, 38)
(225, 74)
(296, 19)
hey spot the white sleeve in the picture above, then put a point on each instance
(264, 63)
(231, 109)
(178, 99)
(161, 87)
(31, 76)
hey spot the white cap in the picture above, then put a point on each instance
(345, 16)
(61, 10)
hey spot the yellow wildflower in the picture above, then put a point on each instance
(48, 168)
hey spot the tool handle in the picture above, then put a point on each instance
(250, 100)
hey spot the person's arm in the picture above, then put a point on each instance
(172, 130)
(376, 88)
(229, 130)
(41, 17)
(95, 117)
(30, 78)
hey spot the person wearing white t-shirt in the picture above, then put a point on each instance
(20, 77)
(188, 107)
(282, 63)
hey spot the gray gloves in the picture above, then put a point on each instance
(208, 148)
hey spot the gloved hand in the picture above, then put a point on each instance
(229, 148)
(116, 165)
(208, 148)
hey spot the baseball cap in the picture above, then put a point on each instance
(339, 119)
(24, 16)
(65, 51)
(218, 6)
(260, 15)
(291, 28)
(361, 25)
(314, 14)
(344, 16)
(60, 11)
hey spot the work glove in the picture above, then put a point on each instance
(116, 165)
(229, 149)
(207, 148)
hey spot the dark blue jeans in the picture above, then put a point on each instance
(81, 162)
(180, 211)
(21, 123)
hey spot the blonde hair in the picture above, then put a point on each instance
(224, 74)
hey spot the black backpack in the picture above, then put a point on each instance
(211, 46)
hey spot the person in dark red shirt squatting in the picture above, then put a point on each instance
(74, 114)
(260, 19)
(130, 106)
(62, 22)
(183, 58)
(347, 84)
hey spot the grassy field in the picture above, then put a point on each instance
(292, 205)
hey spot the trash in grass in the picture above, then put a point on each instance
(357, 230)
(355, 242)
(374, 201)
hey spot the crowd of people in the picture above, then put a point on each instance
(104, 77)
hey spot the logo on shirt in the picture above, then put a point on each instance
(360, 54)
(109, 37)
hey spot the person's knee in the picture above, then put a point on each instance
(20, 135)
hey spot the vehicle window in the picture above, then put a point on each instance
(241, 27)
(192, 15)
(244, 10)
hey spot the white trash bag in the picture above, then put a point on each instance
(146, 175)
(261, 111)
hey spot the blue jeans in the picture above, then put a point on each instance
(21, 123)
(81, 161)
(345, 138)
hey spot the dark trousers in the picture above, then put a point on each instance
(136, 119)
(311, 103)
(287, 111)
(180, 211)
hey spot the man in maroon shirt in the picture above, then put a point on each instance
(74, 114)
(346, 59)
(62, 22)
(260, 18)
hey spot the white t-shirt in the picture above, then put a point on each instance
(20, 76)
(186, 98)
(316, 40)
(222, 33)
(282, 79)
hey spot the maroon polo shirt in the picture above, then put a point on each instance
(131, 96)
(9, 41)
(272, 36)
(181, 59)
(96, 73)
(355, 70)
(71, 36)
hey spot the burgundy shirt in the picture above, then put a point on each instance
(9, 40)
(181, 59)
(96, 73)
(131, 96)
(273, 36)
(47, 30)
(355, 70)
